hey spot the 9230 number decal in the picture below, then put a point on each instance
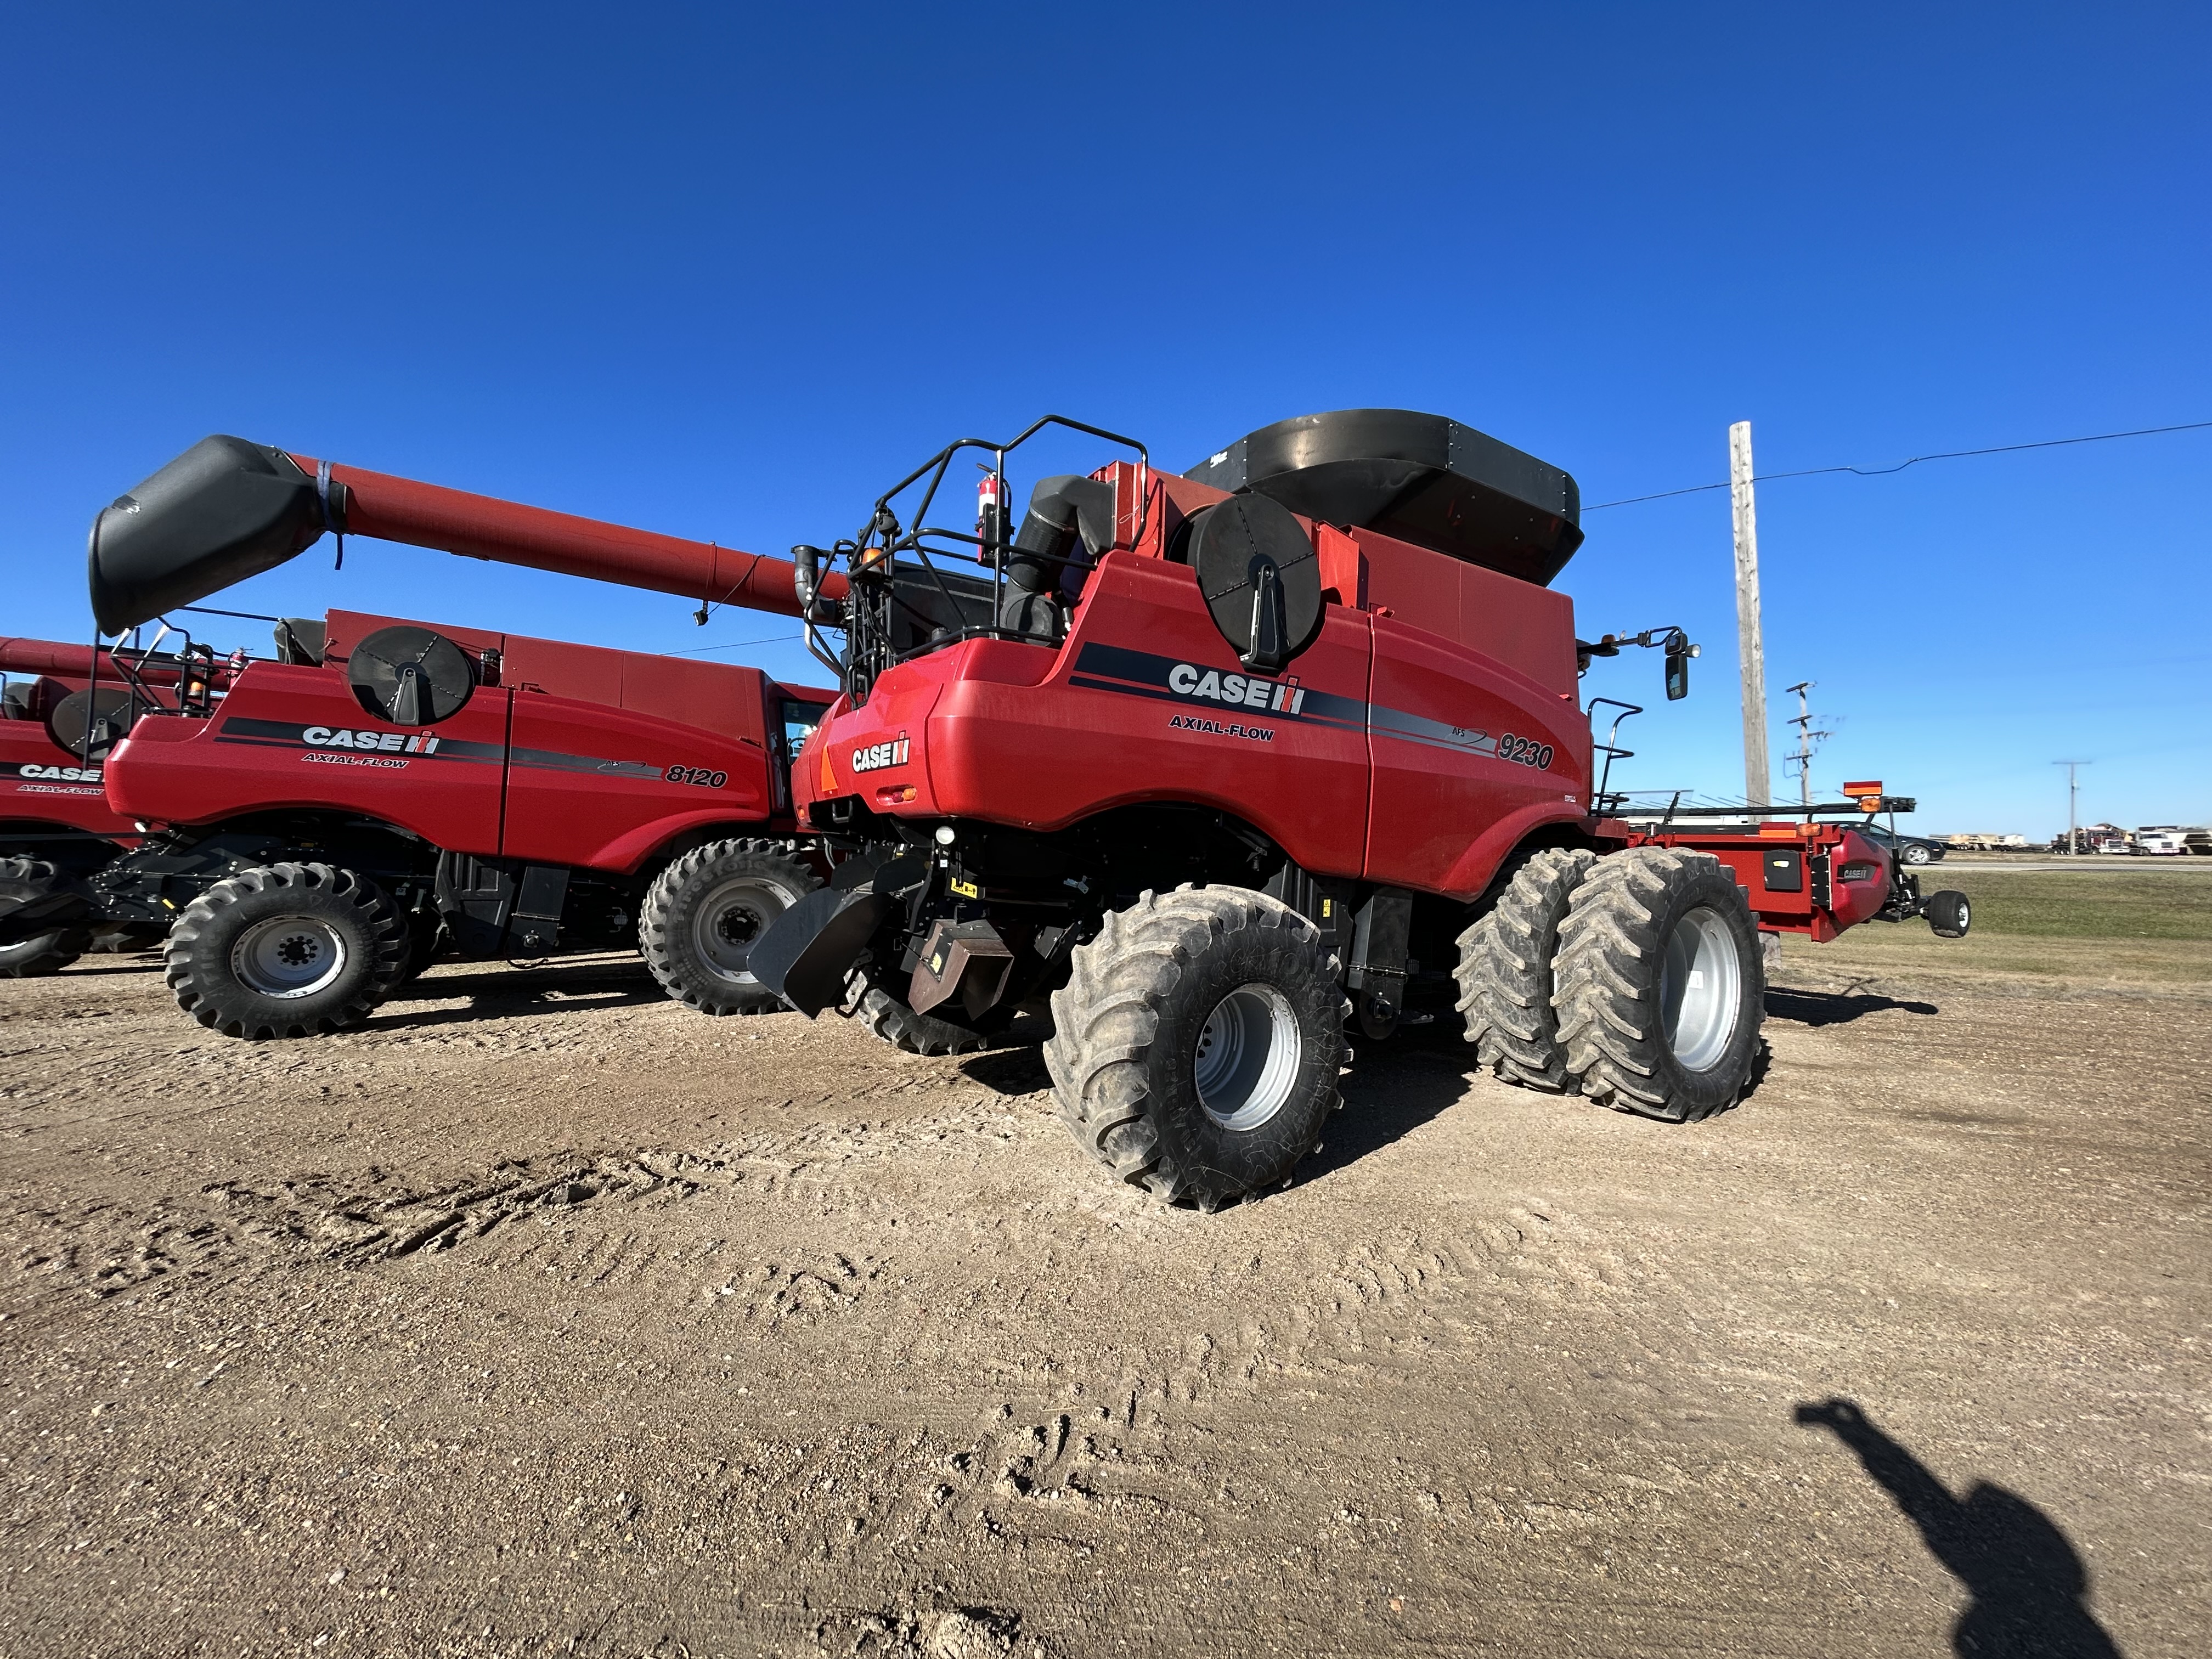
(698, 774)
(1525, 751)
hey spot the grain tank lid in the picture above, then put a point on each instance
(1422, 478)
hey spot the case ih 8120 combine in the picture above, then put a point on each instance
(1212, 764)
(386, 787)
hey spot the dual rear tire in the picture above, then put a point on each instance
(1635, 980)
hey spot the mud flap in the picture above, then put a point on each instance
(808, 952)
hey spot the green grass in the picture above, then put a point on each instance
(2102, 904)
(2102, 927)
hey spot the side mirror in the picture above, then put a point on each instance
(1678, 676)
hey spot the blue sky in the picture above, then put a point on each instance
(729, 272)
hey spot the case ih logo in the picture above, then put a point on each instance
(389, 742)
(60, 774)
(877, 757)
(1246, 691)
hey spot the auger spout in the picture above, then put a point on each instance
(227, 509)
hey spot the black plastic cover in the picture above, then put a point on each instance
(90, 722)
(1232, 541)
(410, 676)
(224, 510)
(1422, 478)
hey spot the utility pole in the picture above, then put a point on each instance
(1801, 757)
(1750, 648)
(2073, 798)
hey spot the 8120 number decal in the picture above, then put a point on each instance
(698, 774)
(1527, 751)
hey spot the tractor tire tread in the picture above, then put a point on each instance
(380, 920)
(1105, 1019)
(1505, 971)
(1606, 984)
(656, 935)
(42, 953)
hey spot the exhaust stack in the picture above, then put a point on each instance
(227, 509)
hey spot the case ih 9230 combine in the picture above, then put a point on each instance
(386, 788)
(1212, 762)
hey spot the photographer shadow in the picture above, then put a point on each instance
(2028, 1583)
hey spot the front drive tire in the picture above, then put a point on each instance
(1659, 985)
(1505, 971)
(1197, 1044)
(702, 914)
(1916, 855)
(286, 951)
(42, 953)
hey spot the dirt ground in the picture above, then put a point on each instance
(545, 1316)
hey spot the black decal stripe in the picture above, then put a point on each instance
(1142, 674)
(1208, 704)
(552, 760)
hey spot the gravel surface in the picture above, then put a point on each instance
(545, 1316)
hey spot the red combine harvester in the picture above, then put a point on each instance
(1207, 765)
(1216, 761)
(387, 788)
(56, 829)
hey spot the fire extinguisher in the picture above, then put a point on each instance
(990, 517)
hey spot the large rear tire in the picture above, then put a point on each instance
(1505, 971)
(704, 912)
(1197, 1044)
(286, 951)
(42, 953)
(1659, 985)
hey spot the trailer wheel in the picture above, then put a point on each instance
(1197, 1044)
(1505, 971)
(703, 914)
(286, 951)
(42, 953)
(1659, 985)
(1948, 914)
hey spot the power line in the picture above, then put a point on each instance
(773, 639)
(1884, 471)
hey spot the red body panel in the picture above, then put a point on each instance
(42, 783)
(580, 755)
(1385, 767)
(1450, 798)
(269, 746)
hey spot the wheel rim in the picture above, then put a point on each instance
(730, 920)
(289, 957)
(1247, 1060)
(1700, 986)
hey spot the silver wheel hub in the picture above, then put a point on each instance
(1701, 989)
(1247, 1062)
(289, 957)
(730, 920)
